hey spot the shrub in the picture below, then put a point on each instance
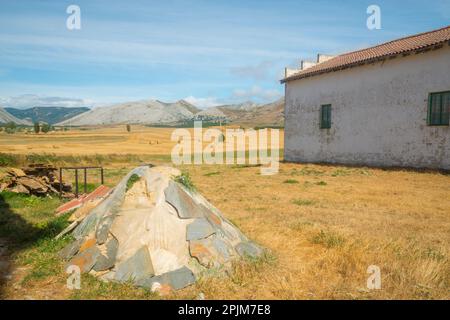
(328, 239)
(132, 180)
(185, 180)
(46, 128)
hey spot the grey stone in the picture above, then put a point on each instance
(108, 261)
(85, 260)
(248, 249)
(71, 249)
(136, 267)
(182, 202)
(200, 228)
(103, 228)
(222, 247)
(177, 279)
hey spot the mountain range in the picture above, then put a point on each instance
(50, 115)
(6, 117)
(149, 112)
(157, 112)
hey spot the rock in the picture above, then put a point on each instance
(248, 249)
(89, 243)
(137, 267)
(85, 260)
(70, 250)
(20, 189)
(103, 228)
(16, 172)
(182, 202)
(200, 228)
(34, 186)
(105, 262)
(210, 252)
(3, 186)
(177, 279)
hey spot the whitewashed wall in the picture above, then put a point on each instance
(379, 114)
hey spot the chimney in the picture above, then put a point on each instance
(289, 72)
(306, 64)
(323, 57)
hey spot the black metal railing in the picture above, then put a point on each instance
(84, 169)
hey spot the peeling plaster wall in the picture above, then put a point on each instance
(379, 114)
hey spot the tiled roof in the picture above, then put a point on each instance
(406, 45)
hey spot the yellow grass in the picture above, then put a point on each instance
(141, 140)
(325, 230)
(323, 225)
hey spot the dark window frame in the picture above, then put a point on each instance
(325, 116)
(443, 116)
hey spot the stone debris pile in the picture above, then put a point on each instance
(157, 233)
(36, 179)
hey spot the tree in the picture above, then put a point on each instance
(46, 128)
(128, 128)
(37, 128)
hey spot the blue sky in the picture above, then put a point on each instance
(208, 51)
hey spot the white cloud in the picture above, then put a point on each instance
(257, 93)
(260, 71)
(31, 100)
(203, 102)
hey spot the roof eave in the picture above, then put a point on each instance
(433, 46)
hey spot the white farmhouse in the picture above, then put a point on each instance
(383, 106)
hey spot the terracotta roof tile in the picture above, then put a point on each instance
(400, 46)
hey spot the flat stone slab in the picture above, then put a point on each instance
(85, 260)
(177, 279)
(71, 249)
(137, 267)
(107, 262)
(210, 252)
(248, 249)
(182, 202)
(200, 228)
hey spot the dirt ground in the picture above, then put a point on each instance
(323, 226)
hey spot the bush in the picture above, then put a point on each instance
(132, 180)
(185, 180)
(46, 128)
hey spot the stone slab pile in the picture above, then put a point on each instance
(36, 179)
(157, 234)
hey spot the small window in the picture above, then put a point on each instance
(325, 116)
(438, 108)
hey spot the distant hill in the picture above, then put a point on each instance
(247, 114)
(6, 117)
(155, 112)
(49, 115)
(137, 112)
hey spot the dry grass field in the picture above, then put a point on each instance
(323, 225)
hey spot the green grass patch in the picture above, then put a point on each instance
(185, 180)
(307, 171)
(93, 288)
(321, 183)
(328, 239)
(291, 181)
